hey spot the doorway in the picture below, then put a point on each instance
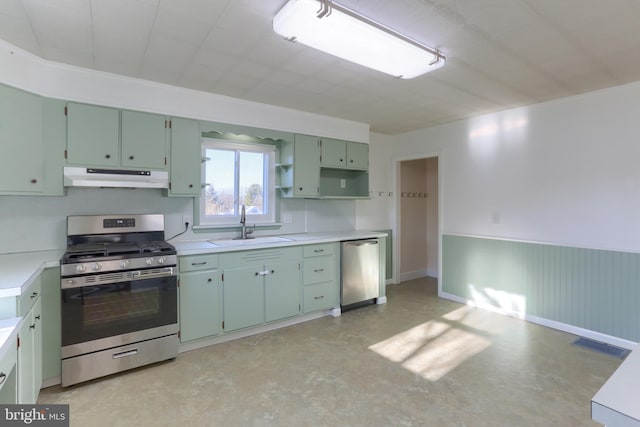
(417, 219)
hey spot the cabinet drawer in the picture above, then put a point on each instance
(320, 296)
(29, 298)
(318, 269)
(320, 249)
(198, 262)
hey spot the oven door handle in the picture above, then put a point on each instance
(150, 274)
(110, 278)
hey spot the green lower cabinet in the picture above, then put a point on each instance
(199, 305)
(243, 297)
(321, 277)
(319, 296)
(51, 338)
(30, 356)
(282, 290)
(260, 286)
(8, 368)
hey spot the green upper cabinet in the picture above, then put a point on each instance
(357, 156)
(106, 137)
(186, 158)
(334, 153)
(144, 140)
(93, 135)
(344, 154)
(300, 167)
(21, 141)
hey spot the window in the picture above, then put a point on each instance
(237, 174)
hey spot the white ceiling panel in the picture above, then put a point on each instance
(501, 53)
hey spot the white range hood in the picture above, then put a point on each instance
(118, 178)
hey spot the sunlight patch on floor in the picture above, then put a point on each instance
(431, 349)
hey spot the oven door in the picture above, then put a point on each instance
(107, 310)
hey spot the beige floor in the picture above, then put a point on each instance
(416, 361)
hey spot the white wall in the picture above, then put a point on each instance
(378, 212)
(564, 172)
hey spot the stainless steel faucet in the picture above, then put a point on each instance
(243, 221)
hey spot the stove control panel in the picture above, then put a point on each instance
(77, 269)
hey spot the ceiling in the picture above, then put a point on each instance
(500, 53)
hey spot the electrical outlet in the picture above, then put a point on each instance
(286, 218)
(187, 218)
(343, 183)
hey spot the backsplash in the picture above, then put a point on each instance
(34, 223)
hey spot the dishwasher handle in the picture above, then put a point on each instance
(360, 242)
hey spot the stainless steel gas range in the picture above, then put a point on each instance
(118, 294)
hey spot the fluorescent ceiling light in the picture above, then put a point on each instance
(341, 32)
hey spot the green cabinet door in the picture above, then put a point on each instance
(334, 153)
(143, 140)
(306, 166)
(93, 135)
(51, 324)
(37, 348)
(243, 290)
(357, 155)
(185, 158)
(199, 305)
(25, 361)
(21, 141)
(30, 355)
(282, 290)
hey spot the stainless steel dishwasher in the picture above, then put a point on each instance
(360, 268)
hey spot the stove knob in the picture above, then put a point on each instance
(70, 282)
(96, 266)
(81, 268)
(161, 260)
(124, 264)
(149, 261)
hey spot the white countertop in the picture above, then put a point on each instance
(616, 403)
(192, 247)
(19, 270)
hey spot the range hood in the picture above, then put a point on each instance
(119, 178)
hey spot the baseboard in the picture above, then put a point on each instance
(194, 345)
(411, 275)
(50, 382)
(587, 333)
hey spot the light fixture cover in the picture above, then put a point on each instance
(347, 35)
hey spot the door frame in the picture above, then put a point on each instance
(396, 213)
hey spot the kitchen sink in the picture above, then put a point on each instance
(249, 242)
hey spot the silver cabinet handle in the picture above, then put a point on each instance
(199, 263)
(33, 295)
(319, 297)
(319, 270)
(318, 251)
(264, 272)
(125, 353)
(3, 378)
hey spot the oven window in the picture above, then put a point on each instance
(121, 305)
(101, 311)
